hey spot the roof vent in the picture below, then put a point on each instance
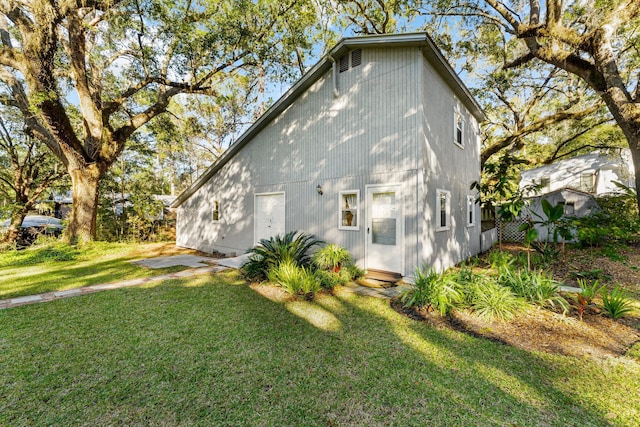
(356, 57)
(344, 63)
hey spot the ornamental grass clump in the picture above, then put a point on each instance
(534, 286)
(334, 266)
(294, 279)
(331, 257)
(490, 301)
(616, 303)
(435, 291)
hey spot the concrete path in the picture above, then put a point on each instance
(50, 296)
(192, 261)
(198, 268)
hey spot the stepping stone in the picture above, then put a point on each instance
(67, 292)
(22, 300)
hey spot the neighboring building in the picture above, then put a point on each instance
(375, 148)
(576, 204)
(592, 173)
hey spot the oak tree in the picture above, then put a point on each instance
(87, 74)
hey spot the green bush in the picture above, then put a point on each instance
(489, 300)
(269, 253)
(353, 271)
(499, 259)
(615, 303)
(328, 279)
(438, 292)
(294, 279)
(618, 222)
(331, 257)
(534, 286)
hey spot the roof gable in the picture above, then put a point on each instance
(422, 40)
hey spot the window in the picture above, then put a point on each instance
(443, 210)
(215, 215)
(587, 182)
(349, 204)
(458, 129)
(545, 184)
(356, 58)
(471, 211)
(569, 208)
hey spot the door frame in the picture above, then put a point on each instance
(400, 189)
(255, 211)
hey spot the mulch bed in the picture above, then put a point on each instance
(541, 330)
(596, 336)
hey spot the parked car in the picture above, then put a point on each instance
(34, 226)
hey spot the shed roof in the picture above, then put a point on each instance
(421, 39)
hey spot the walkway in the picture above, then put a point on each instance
(224, 264)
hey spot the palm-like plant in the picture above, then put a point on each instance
(292, 247)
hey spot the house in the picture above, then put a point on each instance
(576, 204)
(593, 173)
(375, 149)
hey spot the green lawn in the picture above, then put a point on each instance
(58, 267)
(211, 351)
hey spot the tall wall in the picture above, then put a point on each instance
(367, 135)
(446, 166)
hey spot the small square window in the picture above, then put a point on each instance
(215, 215)
(569, 209)
(587, 182)
(349, 210)
(471, 211)
(443, 210)
(545, 184)
(458, 129)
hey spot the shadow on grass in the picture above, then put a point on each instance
(176, 353)
(26, 280)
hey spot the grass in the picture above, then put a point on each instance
(57, 267)
(211, 351)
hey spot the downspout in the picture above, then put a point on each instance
(335, 76)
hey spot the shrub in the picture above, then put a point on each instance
(294, 279)
(499, 259)
(615, 303)
(269, 253)
(534, 286)
(353, 271)
(331, 257)
(435, 291)
(328, 279)
(489, 300)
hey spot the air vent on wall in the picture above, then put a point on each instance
(344, 63)
(356, 57)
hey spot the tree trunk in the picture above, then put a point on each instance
(82, 222)
(635, 156)
(17, 216)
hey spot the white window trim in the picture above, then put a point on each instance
(213, 210)
(439, 226)
(471, 209)
(357, 209)
(456, 113)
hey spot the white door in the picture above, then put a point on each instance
(385, 241)
(269, 215)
